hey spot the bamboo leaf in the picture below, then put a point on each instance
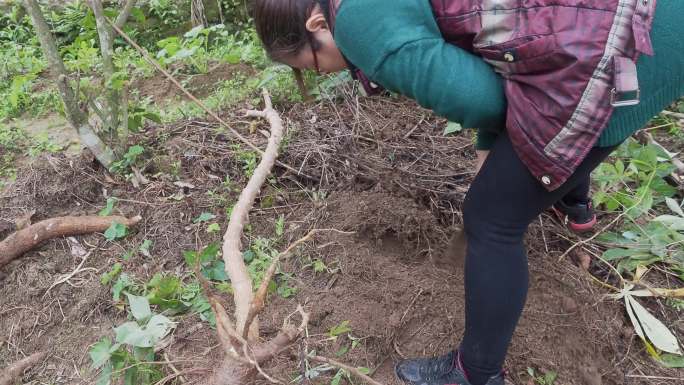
(647, 326)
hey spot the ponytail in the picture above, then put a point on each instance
(281, 25)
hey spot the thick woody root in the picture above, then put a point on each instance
(12, 373)
(26, 239)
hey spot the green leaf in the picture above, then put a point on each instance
(613, 254)
(120, 285)
(280, 226)
(113, 273)
(105, 376)
(363, 370)
(153, 117)
(109, 208)
(671, 221)
(672, 361)
(130, 333)
(100, 352)
(550, 378)
(342, 328)
(248, 256)
(138, 15)
(190, 258)
(647, 326)
(210, 253)
(216, 272)
(204, 217)
(451, 128)
(158, 327)
(115, 231)
(140, 307)
(338, 377)
(145, 248)
(214, 227)
(674, 206)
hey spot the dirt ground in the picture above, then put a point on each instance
(378, 167)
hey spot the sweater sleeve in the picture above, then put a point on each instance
(398, 45)
(453, 83)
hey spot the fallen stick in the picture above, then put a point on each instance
(352, 370)
(26, 239)
(12, 373)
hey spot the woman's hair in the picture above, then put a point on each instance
(281, 26)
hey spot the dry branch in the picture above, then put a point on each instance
(11, 374)
(353, 371)
(26, 239)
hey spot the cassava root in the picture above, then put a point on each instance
(18, 243)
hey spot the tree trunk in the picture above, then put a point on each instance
(77, 118)
(197, 15)
(104, 32)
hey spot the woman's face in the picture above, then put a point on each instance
(327, 55)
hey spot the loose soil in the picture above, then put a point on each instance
(380, 168)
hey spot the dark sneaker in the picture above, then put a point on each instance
(443, 370)
(579, 217)
(421, 371)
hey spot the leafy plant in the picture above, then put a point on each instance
(130, 356)
(549, 378)
(211, 266)
(129, 159)
(115, 231)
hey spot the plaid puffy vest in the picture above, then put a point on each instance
(566, 65)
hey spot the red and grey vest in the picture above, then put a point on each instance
(566, 65)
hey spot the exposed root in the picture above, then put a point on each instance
(12, 373)
(26, 239)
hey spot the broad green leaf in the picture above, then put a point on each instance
(452, 127)
(140, 307)
(210, 253)
(105, 376)
(115, 231)
(204, 217)
(650, 327)
(613, 254)
(109, 208)
(158, 327)
(190, 258)
(130, 333)
(216, 272)
(674, 206)
(280, 226)
(100, 352)
(673, 222)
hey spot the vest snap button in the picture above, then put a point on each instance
(508, 56)
(546, 180)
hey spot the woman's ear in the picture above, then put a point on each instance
(316, 22)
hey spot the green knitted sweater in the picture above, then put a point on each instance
(398, 45)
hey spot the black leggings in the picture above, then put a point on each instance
(502, 201)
